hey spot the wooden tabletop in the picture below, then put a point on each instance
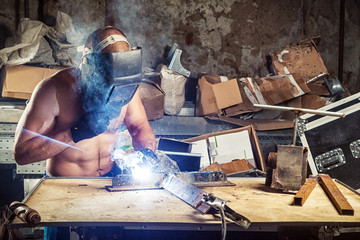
(85, 201)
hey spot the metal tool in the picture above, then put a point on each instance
(174, 59)
(24, 212)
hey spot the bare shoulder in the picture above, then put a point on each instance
(57, 96)
(65, 79)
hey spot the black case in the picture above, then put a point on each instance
(333, 142)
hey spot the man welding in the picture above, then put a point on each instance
(73, 118)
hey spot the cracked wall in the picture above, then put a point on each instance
(230, 37)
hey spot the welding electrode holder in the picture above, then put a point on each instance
(24, 212)
(220, 205)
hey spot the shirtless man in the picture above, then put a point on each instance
(47, 127)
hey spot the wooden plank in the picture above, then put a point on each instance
(305, 190)
(335, 195)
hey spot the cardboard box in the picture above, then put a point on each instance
(21, 80)
(272, 90)
(216, 93)
(303, 61)
(254, 141)
(152, 97)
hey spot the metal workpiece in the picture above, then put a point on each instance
(186, 192)
(127, 182)
(205, 179)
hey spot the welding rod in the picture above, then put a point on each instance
(305, 110)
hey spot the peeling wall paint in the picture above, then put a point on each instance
(229, 37)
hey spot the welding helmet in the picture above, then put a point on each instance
(110, 78)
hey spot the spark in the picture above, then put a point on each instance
(141, 173)
(51, 139)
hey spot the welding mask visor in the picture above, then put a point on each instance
(110, 78)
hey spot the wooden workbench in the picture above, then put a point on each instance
(86, 202)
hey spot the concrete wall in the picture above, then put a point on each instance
(228, 37)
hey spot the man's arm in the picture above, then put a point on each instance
(138, 125)
(37, 128)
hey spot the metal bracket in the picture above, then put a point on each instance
(175, 62)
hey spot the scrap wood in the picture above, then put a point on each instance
(305, 191)
(234, 166)
(337, 198)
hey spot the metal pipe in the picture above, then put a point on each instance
(295, 130)
(305, 110)
(321, 75)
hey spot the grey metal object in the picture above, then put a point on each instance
(330, 160)
(301, 126)
(333, 85)
(37, 168)
(186, 192)
(355, 148)
(174, 59)
(6, 149)
(7, 134)
(205, 179)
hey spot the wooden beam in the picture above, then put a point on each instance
(305, 191)
(335, 195)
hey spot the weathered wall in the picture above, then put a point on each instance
(229, 37)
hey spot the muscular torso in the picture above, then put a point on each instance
(88, 157)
